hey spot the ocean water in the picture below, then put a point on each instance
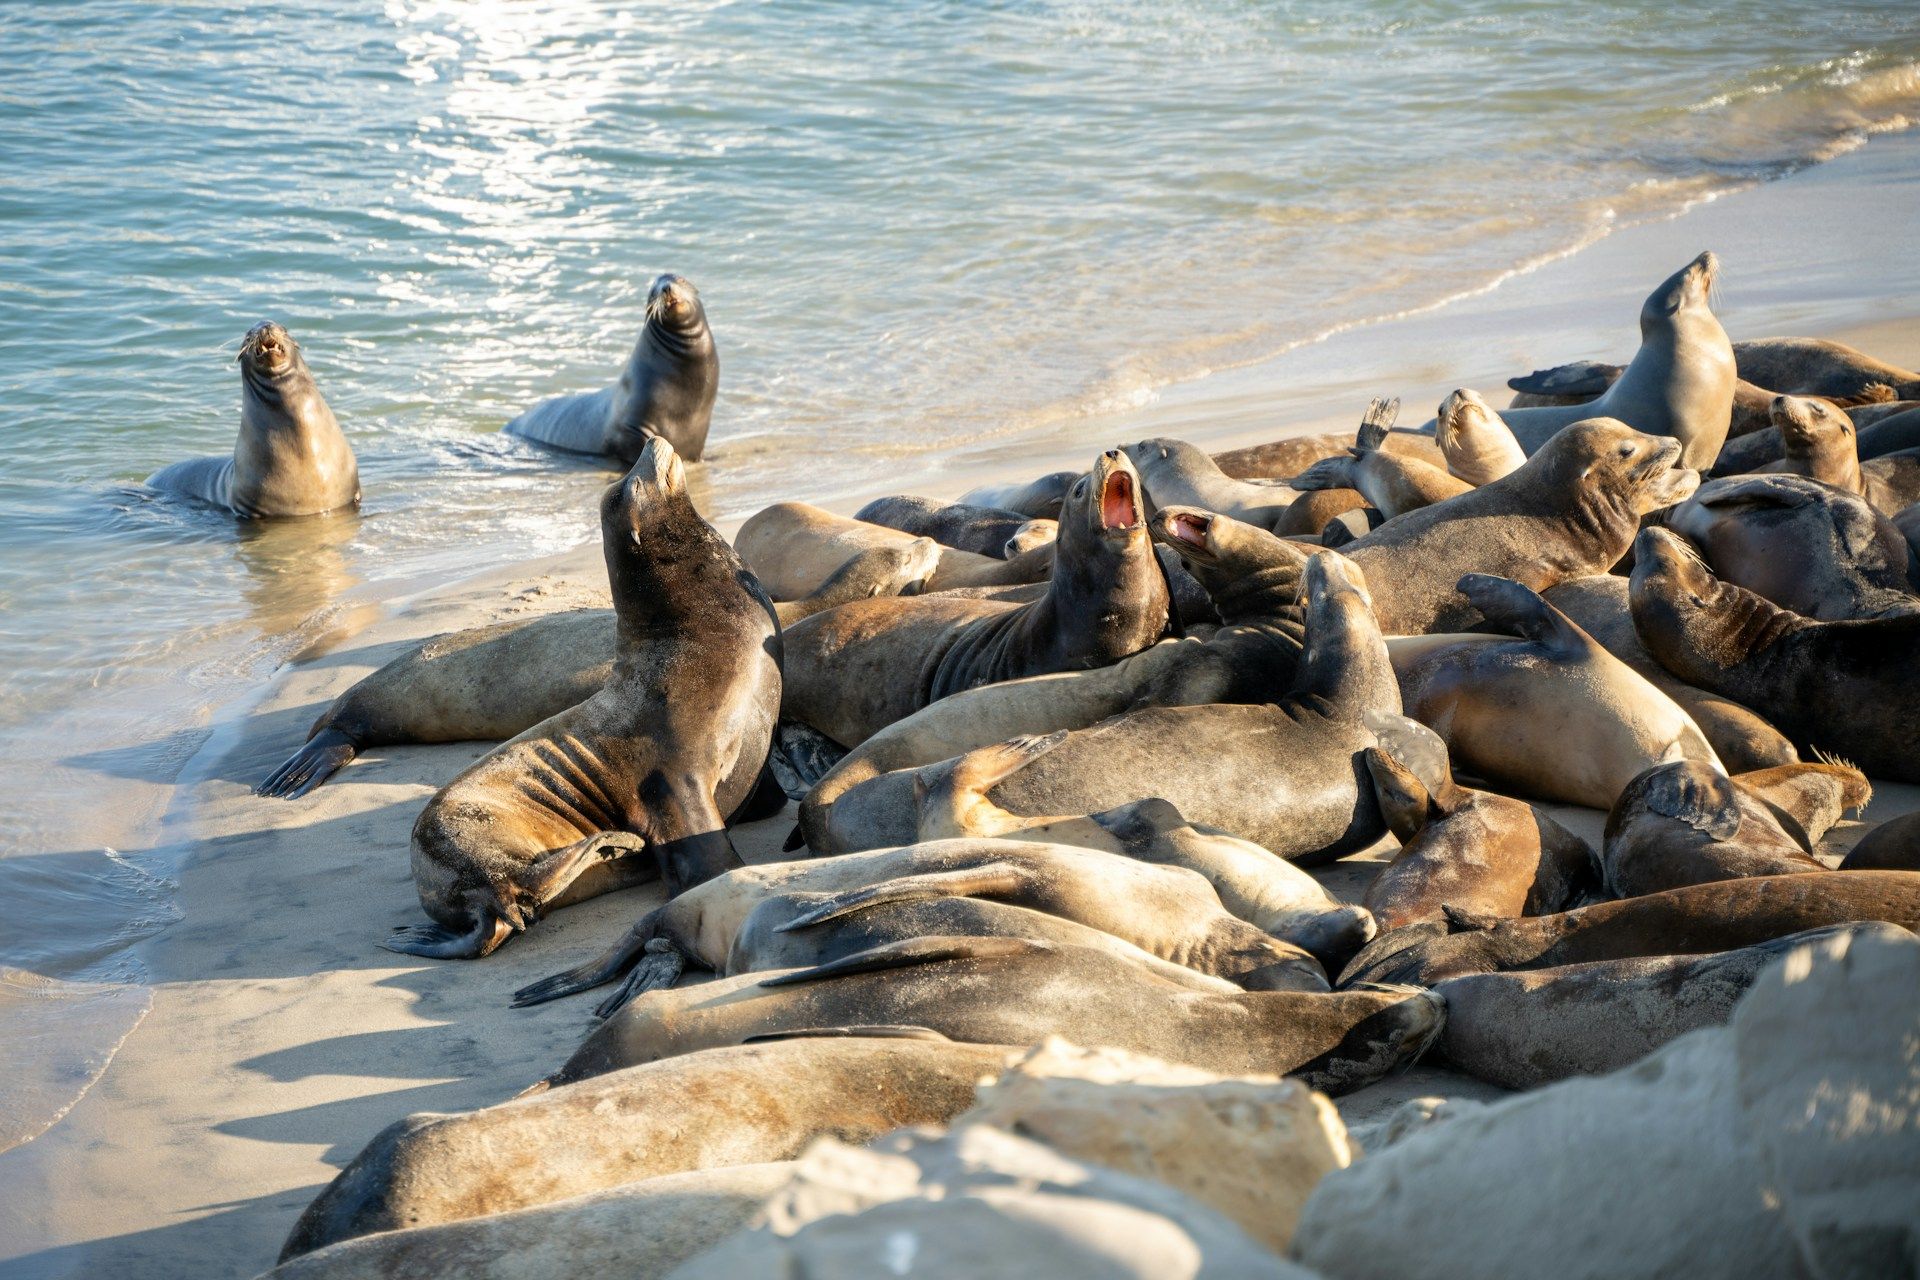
(919, 228)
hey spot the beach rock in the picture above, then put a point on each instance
(637, 1232)
(1252, 1147)
(979, 1202)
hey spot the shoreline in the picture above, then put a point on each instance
(280, 1037)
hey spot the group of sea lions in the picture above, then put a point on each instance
(1062, 748)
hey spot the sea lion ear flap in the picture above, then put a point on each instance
(1703, 798)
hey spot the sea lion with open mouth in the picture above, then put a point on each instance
(666, 390)
(291, 458)
(853, 670)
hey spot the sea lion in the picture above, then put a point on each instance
(1597, 604)
(853, 670)
(745, 1105)
(981, 530)
(1169, 912)
(1009, 991)
(1818, 442)
(1802, 544)
(1530, 1028)
(1815, 366)
(1646, 851)
(1266, 891)
(1908, 523)
(1178, 474)
(1292, 783)
(486, 684)
(676, 738)
(1719, 915)
(1391, 484)
(1876, 434)
(795, 548)
(666, 389)
(1477, 444)
(1312, 512)
(1846, 688)
(1551, 715)
(1894, 845)
(1571, 510)
(290, 459)
(1278, 459)
(1583, 381)
(1472, 850)
(1038, 499)
(1679, 383)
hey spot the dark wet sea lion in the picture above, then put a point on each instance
(1894, 845)
(1472, 850)
(1647, 851)
(1697, 919)
(1169, 912)
(1815, 366)
(1475, 441)
(1846, 688)
(1037, 499)
(290, 459)
(795, 548)
(648, 765)
(1597, 604)
(1571, 510)
(1530, 1028)
(853, 670)
(1278, 459)
(745, 1105)
(1804, 545)
(1008, 991)
(981, 530)
(1391, 484)
(666, 390)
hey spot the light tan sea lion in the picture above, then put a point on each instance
(1177, 474)
(1278, 459)
(1391, 484)
(1478, 446)
(798, 548)
(1815, 366)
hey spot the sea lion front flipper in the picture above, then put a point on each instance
(801, 756)
(1328, 473)
(660, 967)
(907, 953)
(1705, 803)
(1521, 610)
(1391, 956)
(876, 1031)
(1415, 748)
(1580, 378)
(994, 879)
(322, 757)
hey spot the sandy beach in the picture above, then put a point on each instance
(281, 1037)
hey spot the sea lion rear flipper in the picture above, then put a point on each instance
(767, 798)
(603, 968)
(994, 879)
(437, 943)
(322, 756)
(1704, 799)
(1392, 956)
(1580, 378)
(801, 756)
(907, 953)
(1375, 425)
(877, 1031)
(1414, 747)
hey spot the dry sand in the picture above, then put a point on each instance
(281, 1037)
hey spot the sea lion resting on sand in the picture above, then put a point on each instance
(1037, 499)
(853, 670)
(795, 548)
(1820, 442)
(1278, 459)
(291, 458)
(486, 684)
(666, 390)
(1391, 484)
(1477, 444)
(1814, 366)
(1008, 991)
(648, 765)
(1583, 381)
(1843, 687)
(981, 530)
(1176, 473)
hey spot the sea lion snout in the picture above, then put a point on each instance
(1118, 508)
(267, 345)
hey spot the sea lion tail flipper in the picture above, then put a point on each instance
(876, 1031)
(603, 968)
(801, 756)
(1581, 378)
(1704, 799)
(1328, 473)
(907, 953)
(322, 756)
(994, 879)
(1374, 426)
(435, 942)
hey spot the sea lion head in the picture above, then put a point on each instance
(631, 508)
(1223, 552)
(1669, 577)
(1461, 417)
(674, 304)
(268, 350)
(1104, 506)
(1604, 457)
(1807, 423)
(1687, 290)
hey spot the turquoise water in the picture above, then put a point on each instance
(918, 227)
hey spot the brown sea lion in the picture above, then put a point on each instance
(648, 765)
(1038, 499)
(984, 531)
(667, 388)
(291, 458)
(1815, 366)
(1879, 429)
(1177, 474)
(1278, 459)
(1845, 688)
(1571, 510)
(798, 548)
(1391, 484)
(1009, 991)
(1894, 845)
(1478, 446)
(1312, 512)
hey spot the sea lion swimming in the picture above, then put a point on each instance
(648, 765)
(1572, 510)
(666, 390)
(291, 458)
(795, 548)
(1475, 441)
(1009, 991)
(853, 670)
(981, 530)
(1391, 484)
(1846, 688)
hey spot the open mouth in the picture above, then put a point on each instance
(1191, 529)
(1119, 506)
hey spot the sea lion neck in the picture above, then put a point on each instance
(671, 572)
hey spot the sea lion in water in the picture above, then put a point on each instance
(290, 459)
(795, 548)
(1551, 715)
(1278, 459)
(1679, 383)
(486, 684)
(666, 390)
(1008, 991)
(1168, 912)
(1815, 366)
(1530, 1028)
(853, 670)
(649, 764)
(1178, 474)
(1846, 688)
(1038, 499)
(1471, 850)
(1391, 484)
(1719, 915)
(1802, 544)
(1477, 444)
(1571, 510)
(1597, 604)
(981, 530)
(745, 1105)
